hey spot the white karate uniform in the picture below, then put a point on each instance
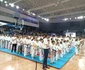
(9, 44)
(3, 41)
(25, 46)
(18, 44)
(67, 47)
(76, 47)
(40, 44)
(52, 48)
(45, 43)
(8, 41)
(57, 47)
(84, 42)
(29, 45)
(62, 48)
(73, 42)
(33, 50)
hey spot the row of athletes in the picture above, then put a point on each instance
(58, 46)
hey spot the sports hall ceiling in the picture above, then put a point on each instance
(52, 9)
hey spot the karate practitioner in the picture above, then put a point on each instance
(58, 50)
(62, 49)
(76, 46)
(25, 43)
(34, 45)
(64, 45)
(52, 50)
(67, 46)
(29, 44)
(40, 44)
(0, 40)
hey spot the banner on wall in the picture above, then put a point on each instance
(70, 34)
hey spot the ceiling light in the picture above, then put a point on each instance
(11, 4)
(46, 19)
(65, 19)
(70, 18)
(42, 18)
(1, 0)
(33, 14)
(80, 17)
(2, 23)
(5, 2)
(75, 17)
(23, 9)
(17, 7)
(38, 15)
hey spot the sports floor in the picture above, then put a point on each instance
(57, 64)
(12, 62)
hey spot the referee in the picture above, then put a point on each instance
(46, 50)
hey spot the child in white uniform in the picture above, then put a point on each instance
(76, 46)
(25, 46)
(0, 40)
(62, 48)
(52, 50)
(40, 44)
(67, 46)
(33, 48)
(58, 49)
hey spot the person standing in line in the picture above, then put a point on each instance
(62, 48)
(14, 43)
(58, 49)
(46, 51)
(33, 47)
(76, 46)
(21, 44)
(9, 44)
(0, 40)
(3, 41)
(68, 46)
(52, 49)
(29, 44)
(8, 40)
(37, 47)
(18, 44)
(64, 45)
(40, 44)
(25, 45)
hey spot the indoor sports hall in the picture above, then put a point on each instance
(42, 34)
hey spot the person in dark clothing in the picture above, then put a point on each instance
(14, 43)
(46, 51)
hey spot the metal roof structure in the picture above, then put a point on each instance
(52, 9)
